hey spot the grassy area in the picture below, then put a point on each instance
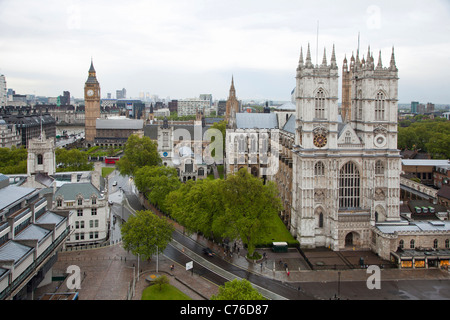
(168, 292)
(106, 171)
(277, 232)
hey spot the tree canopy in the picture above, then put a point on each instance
(72, 160)
(428, 136)
(239, 207)
(238, 290)
(138, 153)
(146, 234)
(13, 160)
(156, 183)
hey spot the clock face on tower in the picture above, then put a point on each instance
(320, 140)
(90, 92)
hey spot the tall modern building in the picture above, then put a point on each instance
(3, 91)
(92, 105)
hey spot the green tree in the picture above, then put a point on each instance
(156, 183)
(161, 281)
(239, 207)
(138, 153)
(145, 234)
(249, 206)
(13, 160)
(196, 205)
(238, 290)
(72, 160)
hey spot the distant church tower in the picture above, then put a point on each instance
(232, 106)
(41, 156)
(92, 105)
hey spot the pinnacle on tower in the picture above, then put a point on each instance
(324, 60)
(300, 62)
(308, 58)
(392, 66)
(380, 64)
(333, 59)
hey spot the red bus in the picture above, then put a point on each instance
(111, 160)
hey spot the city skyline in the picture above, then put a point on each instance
(182, 50)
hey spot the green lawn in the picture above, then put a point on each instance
(277, 232)
(106, 171)
(167, 292)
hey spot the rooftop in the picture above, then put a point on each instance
(256, 121)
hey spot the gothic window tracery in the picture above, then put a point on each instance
(379, 106)
(349, 186)
(320, 104)
(319, 169)
(379, 167)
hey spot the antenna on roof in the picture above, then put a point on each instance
(317, 44)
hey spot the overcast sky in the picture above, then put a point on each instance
(184, 48)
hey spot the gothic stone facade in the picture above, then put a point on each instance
(346, 174)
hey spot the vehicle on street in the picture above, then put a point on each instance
(208, 252)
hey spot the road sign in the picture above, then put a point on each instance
(189, 265)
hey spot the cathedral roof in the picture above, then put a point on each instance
(289, 106)
(290, 125)
(256, 120)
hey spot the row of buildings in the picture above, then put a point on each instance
(41, 213)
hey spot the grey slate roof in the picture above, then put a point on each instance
(50, 218)
(256, 120)
(11, 194)
(133, 124)
(70, 191)
(13, 251)
(33, 232)
(290, 125)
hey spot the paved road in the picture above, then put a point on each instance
(396, 284)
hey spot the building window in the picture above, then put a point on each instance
(379, 167)
(319, 169)
(80, 201)
(94, 211)
(401, 244)
(321, 220)
(447, 243)
(320, 105)
(94, 200)
(40, 159)
(79, 212)
(435, 244)
(379, 106)
(59, 203)
(412, 244)
(349, 186)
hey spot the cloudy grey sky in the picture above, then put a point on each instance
(181, 49)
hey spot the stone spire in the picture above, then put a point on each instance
(380, 64)
(333, 59)
(308, 58)
(324, 60)
(392, 66)
(300, 62)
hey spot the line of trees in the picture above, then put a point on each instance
(432, 136)
(239, 207)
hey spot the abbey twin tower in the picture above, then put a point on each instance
(338, 172)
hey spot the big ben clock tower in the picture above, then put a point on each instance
(92, 105)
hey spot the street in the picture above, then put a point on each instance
(301, 285)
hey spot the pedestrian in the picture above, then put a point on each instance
(172, 267)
